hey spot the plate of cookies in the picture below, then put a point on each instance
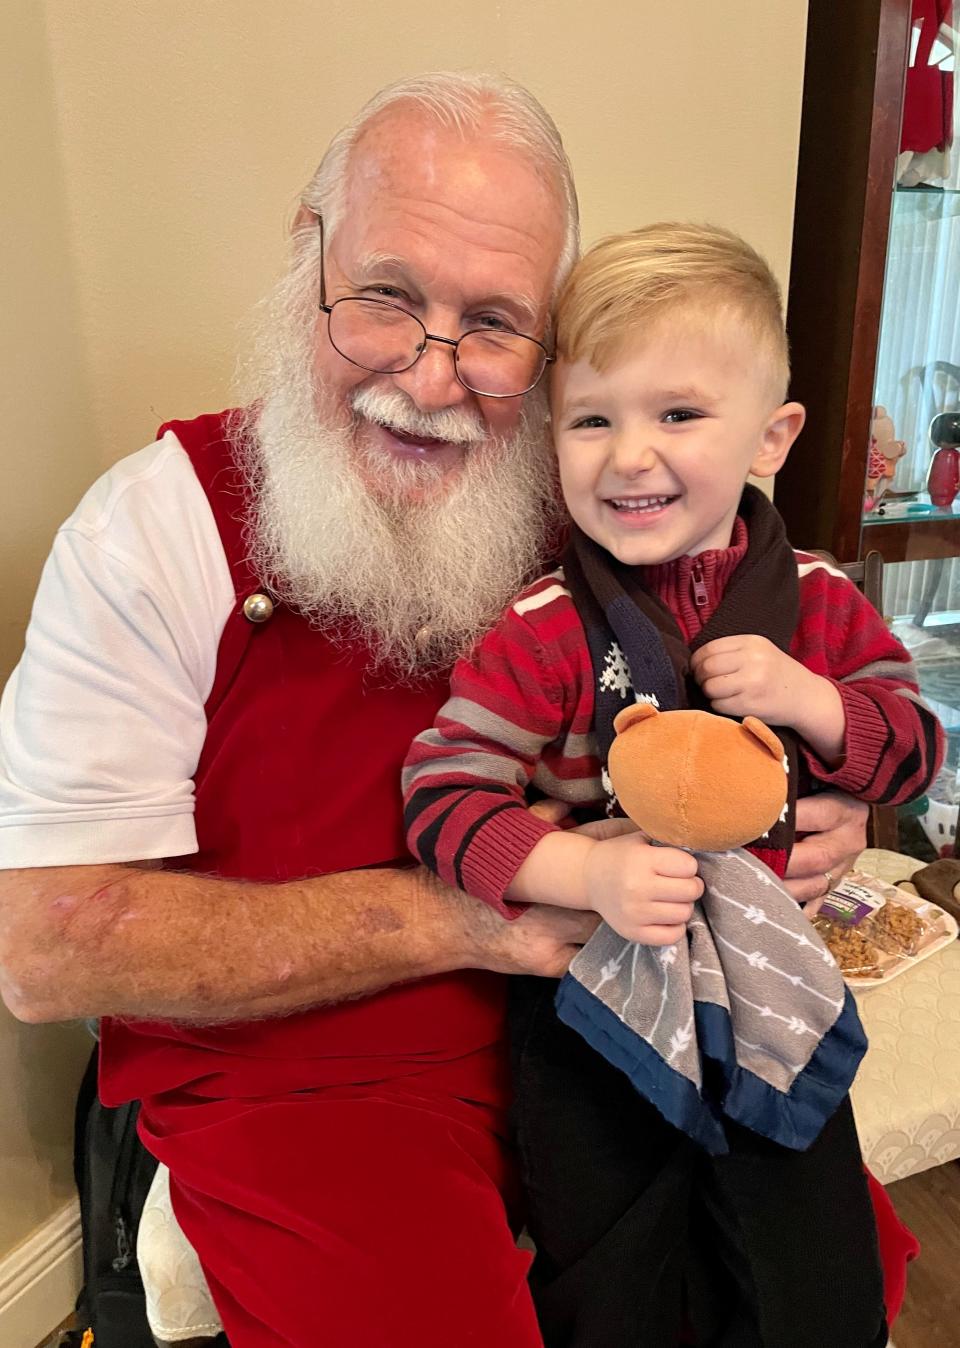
(877, 931)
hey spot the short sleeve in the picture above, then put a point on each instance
(102, 722)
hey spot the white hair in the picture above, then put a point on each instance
(466, 102)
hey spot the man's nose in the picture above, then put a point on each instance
(432, 382)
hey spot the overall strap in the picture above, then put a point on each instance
(209, 445)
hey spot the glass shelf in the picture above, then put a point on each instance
(928, 188)
(917, 511)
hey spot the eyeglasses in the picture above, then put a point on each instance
(385, 339)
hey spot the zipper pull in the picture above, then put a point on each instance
(124, 1249)
(700, 596)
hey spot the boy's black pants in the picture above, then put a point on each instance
(641, 1236)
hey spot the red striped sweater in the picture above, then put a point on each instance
(520, 713)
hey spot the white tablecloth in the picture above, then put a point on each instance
(906, 1097)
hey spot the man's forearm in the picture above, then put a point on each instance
(150, 944)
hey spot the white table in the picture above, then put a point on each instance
(906, 1098)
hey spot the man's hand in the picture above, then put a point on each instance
(750, 676)
(559, 812)
(542, 941)
(837, 826)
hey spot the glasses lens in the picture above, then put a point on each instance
(375, 335)
(501, 364)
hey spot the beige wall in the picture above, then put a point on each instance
(40, 1068)
(188, 130)
(48, 452)
(153, 151)
(48, 456)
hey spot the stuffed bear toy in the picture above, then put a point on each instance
(691, 779)
(747, 1018)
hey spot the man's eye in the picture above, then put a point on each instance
(492, 322)
(590, 423)
(677, 415)
(390, 293)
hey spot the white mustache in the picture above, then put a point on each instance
(393, 409)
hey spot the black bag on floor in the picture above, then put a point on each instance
(114, 1172)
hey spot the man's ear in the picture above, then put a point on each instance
(305, 218)
(783, 427)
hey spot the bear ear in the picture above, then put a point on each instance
(640, 711)
(765, 735)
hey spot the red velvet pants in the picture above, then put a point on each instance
(349, 1217)
(374, 1216)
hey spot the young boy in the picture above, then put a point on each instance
(668, 391)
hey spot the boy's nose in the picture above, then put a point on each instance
(634, 454)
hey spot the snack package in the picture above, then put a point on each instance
(857, 955)
(875, 931)
(898, 929)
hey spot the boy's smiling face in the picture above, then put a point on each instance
(654, 451)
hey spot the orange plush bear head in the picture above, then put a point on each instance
(691, 779)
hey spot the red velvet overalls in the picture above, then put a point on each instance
(340, 1172)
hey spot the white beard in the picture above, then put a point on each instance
(419, 569)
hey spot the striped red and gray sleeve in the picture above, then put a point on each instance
(464, 780)
(893, 744)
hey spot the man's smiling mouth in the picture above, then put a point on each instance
(417, 441)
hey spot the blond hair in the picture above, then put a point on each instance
(628, 282)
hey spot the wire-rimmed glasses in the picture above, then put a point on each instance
(384, 338)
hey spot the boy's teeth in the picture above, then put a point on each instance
(640, 502)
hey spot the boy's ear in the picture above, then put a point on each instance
(783, 427)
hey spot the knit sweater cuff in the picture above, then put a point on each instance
(497, 851)
(865, 740)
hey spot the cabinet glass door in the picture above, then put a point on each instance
(911, 510)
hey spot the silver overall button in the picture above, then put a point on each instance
(258, 608)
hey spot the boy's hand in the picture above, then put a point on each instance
(646, 893)
(749, 676)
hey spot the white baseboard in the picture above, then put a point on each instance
(40, 1279)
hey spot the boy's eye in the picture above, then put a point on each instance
(589, 423)
(677, 415)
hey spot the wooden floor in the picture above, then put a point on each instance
(930, 1205)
